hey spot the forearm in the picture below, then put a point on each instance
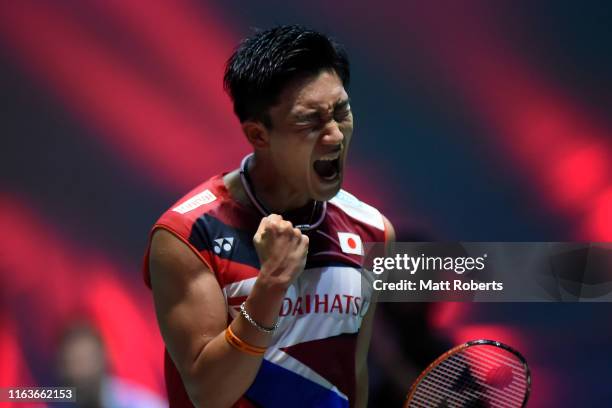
(221, 374)
(361, 362)
(362, 388)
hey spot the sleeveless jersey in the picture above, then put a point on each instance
(312, 359)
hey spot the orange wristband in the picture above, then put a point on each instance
(240, 345)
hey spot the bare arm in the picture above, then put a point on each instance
(191, 310)
(363, 339)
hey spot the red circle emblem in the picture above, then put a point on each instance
(351, 243)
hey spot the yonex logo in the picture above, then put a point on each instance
(223, 244)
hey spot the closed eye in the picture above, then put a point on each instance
(342, 110)
(339, 116)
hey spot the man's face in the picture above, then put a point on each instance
(310, 134)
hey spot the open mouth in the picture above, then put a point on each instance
(327, 168)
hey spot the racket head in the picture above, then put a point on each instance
(478, 373)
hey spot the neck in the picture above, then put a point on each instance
(271, 191)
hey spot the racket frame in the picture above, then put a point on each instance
(455, 350)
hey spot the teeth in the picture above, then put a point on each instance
(329, 158)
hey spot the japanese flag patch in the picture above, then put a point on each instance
(350, 243)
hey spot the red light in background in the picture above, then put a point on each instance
(599, 222)
(579, 175)
(192, 43)
(504, 334)
(138, 120)
(13, 371)
(555, 143)
(62, 281)
(446, 315)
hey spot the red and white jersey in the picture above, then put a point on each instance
(312, 359)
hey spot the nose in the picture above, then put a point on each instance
(332, 136)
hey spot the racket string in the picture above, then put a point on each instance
(519, 366)
(439, 385)
(439, 395)
(439, 392)
(464, 379)
(476, 369)
(465, 396)
(493, 390)
(481, 368)
(516, 386)
(495, 355)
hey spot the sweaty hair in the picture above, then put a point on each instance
(265, 63)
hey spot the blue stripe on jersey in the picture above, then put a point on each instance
(207, 229)
(277, 387)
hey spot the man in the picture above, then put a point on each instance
(82, 363)
(255, 273)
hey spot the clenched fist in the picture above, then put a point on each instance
(282, 252)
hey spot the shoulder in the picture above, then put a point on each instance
(198, 200)
(358, 210)
(203, 199)
(362, 212)
(184, 219)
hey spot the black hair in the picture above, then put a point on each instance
(265, 63)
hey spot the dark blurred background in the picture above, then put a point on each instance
(475, 120)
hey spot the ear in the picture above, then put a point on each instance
(256, 133)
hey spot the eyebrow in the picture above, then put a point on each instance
(313, 116)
